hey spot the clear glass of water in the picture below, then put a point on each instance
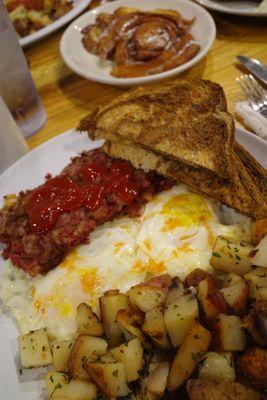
(16, 85)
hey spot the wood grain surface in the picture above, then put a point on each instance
(67, 97)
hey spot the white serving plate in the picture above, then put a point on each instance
(236, 7)
(88, 65)
(78, 7)
(28, 172)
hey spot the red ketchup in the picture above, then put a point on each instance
(61, 194)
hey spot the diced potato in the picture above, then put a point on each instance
(227, 333)
(87, 322)
(157, 381)
(110, 304)
(258, 230)
(257, 281)
(200, 389)
(161, 281)
(176, 290)
(217, 367)
(211, 300)
(235, 292)
(260, 257)
(55, 382)
(146, 297)
(131, 355)
(59, 386)
(109, 376)
(34, 349)
(231, 256)
(154, 326)
(130, 321)
(252, 367)
(84, 348)
(189, 354)
(145, 393)
(256, 322)
(10, 200)
(196, 276)
(61, 351)
(178, 316)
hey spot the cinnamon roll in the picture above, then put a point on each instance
(141, 43)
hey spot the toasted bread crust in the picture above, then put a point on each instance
(193, 145)
(180, 119)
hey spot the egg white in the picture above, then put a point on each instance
(174, 234)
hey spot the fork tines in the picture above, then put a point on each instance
(255, 93)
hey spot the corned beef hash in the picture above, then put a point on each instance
(42, 225)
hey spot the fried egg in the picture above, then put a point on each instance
(174, 234)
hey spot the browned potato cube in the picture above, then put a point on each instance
(256, 322)
(146, 297)
(87, 322)
(161, 281)
(178, 317)
(235, 292)
(189, 354)
(252, 366)
(211, 300)
(145, 393)
(34, 349)
(154, 326)
(84, 348)
(260, 256)
(227, 333)
(130, 321)
(231, 256)
(217, 367)
(176, 290)
(201, 389)
(131, 355)
(61, 351)
(258, 230)
(109, 376)
(196, 276)
(60, 386)
(157, 381)
(110, 304)
(257, 281)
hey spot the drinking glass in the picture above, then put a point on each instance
(16, 85)
(12, 143)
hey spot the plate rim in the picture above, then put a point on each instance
(138, 80)
(217, 7)
(238, 130)
(34, 37)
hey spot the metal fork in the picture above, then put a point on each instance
(255, 93)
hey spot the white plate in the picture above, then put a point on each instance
(237, 7)
(52, 156)
(78, 7)
(88, 66)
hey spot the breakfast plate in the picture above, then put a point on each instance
(51, 157)
(236, 7)
(78, 7)
(89, 65)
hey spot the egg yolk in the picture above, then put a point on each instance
(186, 210)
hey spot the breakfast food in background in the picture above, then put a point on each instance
(141, 42)
(29, 16)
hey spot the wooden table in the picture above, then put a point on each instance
(67, 97)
